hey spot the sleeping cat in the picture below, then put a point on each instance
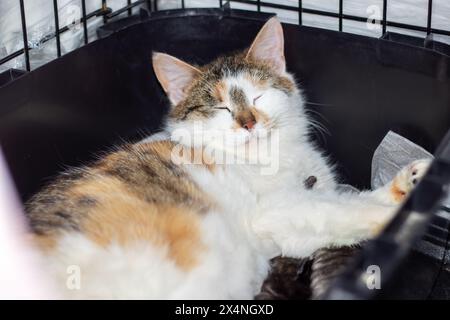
(169, 219)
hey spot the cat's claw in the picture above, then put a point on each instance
(408, 178)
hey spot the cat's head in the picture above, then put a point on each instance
(246, 95)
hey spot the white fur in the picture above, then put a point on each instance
(257, 217)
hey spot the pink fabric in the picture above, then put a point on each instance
(20, 276)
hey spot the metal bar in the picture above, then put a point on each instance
(104, 8)
(49, 37)
(346, 16)
(258, 5)
(156, 5)
(124, 9)
(84, 19)
(67, 27)
(130, 8)
(300, 12)
(25, 36)
(221, 3)
(430, 10)
(384, 21)
(291, 8)
(182, 4)
(341, 9)
(58, 38)
(11, 56)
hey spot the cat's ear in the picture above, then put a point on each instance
(174, 75)
(268, 46)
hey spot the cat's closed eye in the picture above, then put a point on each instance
(255, 99)
(223, 108)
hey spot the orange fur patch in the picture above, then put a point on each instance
(123, 200)
(122, 218)
(44, 242)
(397, 193)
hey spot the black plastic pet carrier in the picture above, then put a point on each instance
(66, 111)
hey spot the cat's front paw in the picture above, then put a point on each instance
(408, 178)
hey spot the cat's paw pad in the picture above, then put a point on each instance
(416, 170)
(408, 178)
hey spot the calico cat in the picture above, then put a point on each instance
(169, 219)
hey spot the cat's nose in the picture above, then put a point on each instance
(249, 124)
(246, 119)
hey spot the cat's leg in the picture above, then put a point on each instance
(300, 224)
(396, 191)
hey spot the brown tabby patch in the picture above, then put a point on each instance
(289, 278)
(307, 278)
(135, 194)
